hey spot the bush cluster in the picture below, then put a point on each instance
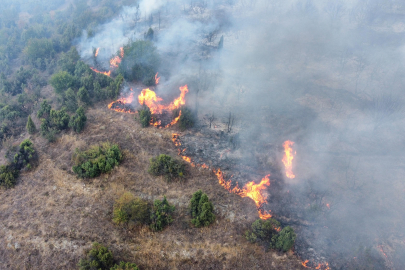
(77, 83)
(100, 258)
(129, 209)
(145, 116)
(140, 62)
(22, 159)
(201, 210)
(267, 232)
(186, 120)
(167, 166)
(54, 121)
(161, 214)
(96, 160)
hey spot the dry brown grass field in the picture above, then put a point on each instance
(51, 217)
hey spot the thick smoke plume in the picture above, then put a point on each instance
(327, 75)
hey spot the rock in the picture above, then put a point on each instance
(102, 128)
(17, 246)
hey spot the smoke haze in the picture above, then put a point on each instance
(327, 75)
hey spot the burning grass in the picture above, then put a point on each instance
(54, 216)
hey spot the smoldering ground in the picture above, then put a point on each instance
(326, 75)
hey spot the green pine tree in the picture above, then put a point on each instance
(31, 128)
(201, 210)
(78, 121)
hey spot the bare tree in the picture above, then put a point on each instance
(211, 118)
(230, 122)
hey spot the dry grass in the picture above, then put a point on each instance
(51, 217)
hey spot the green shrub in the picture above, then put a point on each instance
(83, 95)
(78, 121)
(22, 159)
(284, 241)
(145, 116)
(131, 209)
(44, 110)
(201, 210)
(125, 266)
(98, 258)
(263, 230)
(25, 154)
(31, 128)
(8, 176)
(140, 61)
(167, 166)
(186, 120)
(59, 119)
(149, 81)
(61, 81)
(96, 160)
(70, 100)
(161, 214)
(267, 232)
(149, 35)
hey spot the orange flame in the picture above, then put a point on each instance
(96, 54)
(122, 52)
(175, 120)
(287, 159)
(123, 100)
(150, 99)
(157, 78)
(175, 139)
(115, 61)
(101, 72)
(323, 266)
(254, 191)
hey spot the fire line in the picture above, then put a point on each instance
(288, 158)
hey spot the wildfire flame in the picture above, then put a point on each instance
(122, 52)
(305, 263)
(287, 159)
(115, 61)
(149, 98)
(321, 266)
(96, 54)
(157, 78)
(252, 190)
(175, 120)
(101, 72)
(123, 101)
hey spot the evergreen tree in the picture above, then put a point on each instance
(201, 210)
(285, 239)
(149, 35)
(31, 128)
(83, 95)
(60, 119)
(44, 126)
(44, 110)
(161, 214)
(70, 100)
(145, 116)
(78, 121)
